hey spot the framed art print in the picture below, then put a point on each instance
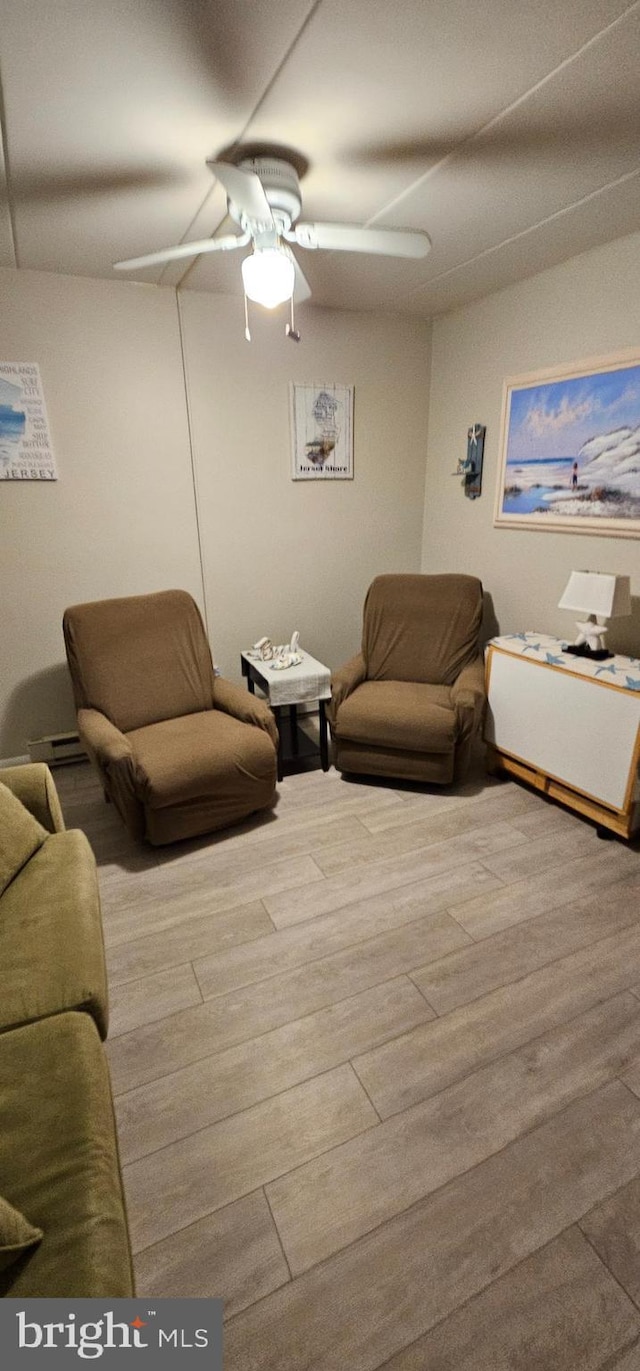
(570, 449)
(321, 431)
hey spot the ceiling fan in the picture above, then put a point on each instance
(264, 200)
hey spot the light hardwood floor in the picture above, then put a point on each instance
(376, 1060)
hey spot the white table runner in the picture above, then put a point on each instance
(617, 671)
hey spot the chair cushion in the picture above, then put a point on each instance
(22, 835)
(59, 1161)
(51, 949)
(399, 714)
(17, 1235)
(198, 754)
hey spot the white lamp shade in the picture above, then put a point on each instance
(268, 277)
(595, 592)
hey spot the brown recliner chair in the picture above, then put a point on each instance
(409, 704)
(178, 750)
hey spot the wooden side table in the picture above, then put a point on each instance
(285, 690)
(568, 725)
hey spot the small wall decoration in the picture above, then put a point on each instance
(470, 467)
(570, 449)
(321, 431)
(26, 453)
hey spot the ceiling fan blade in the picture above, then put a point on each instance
(353, 238)
(301, 289)
(68, 184)
(244, 189)
(153, 259)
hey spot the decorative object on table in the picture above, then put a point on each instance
(282, 656)
(287, 655)
(470, 467)
(263, 649)
(321, 432)
(599, 596)
(570, 449)
(285, 659)
(26, 452)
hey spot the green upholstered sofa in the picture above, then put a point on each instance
(63, 1225)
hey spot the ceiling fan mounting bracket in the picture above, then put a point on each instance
(281, 186)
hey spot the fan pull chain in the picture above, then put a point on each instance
(290, 329)
(247, 331)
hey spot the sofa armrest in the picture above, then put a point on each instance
(344, 681)
(34, 786)
(469, 695)
(243, 706)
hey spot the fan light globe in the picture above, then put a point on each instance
(268, 276)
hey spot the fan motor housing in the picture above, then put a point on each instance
(280, 184)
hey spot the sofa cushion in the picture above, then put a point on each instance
(51, 949)
(399, 714)
(185, 759)
(59, 1161)
(22, 835)
(17, 1235)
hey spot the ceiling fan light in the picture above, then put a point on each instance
(268, 276)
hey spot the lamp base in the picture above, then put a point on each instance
(598, 654)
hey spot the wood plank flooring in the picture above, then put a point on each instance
(376, 1065)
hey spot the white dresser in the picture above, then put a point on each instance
(568, 725)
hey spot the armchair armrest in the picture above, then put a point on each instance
(344, 681)
(34, 786)
(113, 756)
(102, 739)
(469, 695)
(247, 708)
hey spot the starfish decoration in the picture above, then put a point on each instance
(610, 668)
(632, 684)
(554, 661)
(533, 647)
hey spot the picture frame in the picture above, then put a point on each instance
(26, 450)
(321, 431)
(570, 448)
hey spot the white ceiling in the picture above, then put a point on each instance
(509, 130)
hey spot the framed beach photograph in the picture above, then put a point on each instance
(570, 449)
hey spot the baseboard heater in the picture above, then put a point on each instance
(56, 749)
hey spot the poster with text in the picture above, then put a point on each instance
(26, 453)
(322, 432)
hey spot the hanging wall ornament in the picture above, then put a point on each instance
(470, 467)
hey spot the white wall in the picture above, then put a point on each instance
(282, 554)
(120, 520)
(587, 307)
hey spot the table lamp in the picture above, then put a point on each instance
(599, 596)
